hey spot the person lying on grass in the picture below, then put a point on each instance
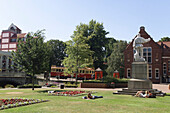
(146, 94)
(89, 96)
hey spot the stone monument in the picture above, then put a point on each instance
(140, 78)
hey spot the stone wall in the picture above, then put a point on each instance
(94, 85)
(103, 85)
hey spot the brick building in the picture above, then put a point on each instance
(9, 38)
(157, 54)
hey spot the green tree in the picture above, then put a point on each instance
(58, 53)
(79, 54)
(32, 56)
(96, 37)
(164, 39)
(116, 60)
(109, 44)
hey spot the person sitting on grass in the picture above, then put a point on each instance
(89, 96)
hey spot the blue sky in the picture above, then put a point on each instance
(121, 18)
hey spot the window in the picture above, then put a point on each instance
(5, 35)
(147, 54)
(157, 73)
(53, 70)
(164, 68)
(168, 65)
(12, 45)
(4, 45)
(128, 73)
(150, 71)
(13, 40)
(5, 40)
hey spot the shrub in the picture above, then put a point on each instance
(71, 85)
(29, 86)
(107, 80)
(54, 86)
(9, 86)
(115, 80)
(92, 81)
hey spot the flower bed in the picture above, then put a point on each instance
(16, 102)
(68, 93)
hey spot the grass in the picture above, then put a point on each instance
(109, 104)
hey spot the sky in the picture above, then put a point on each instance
(121, 18)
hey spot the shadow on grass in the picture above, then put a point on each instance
(167, 94)
(46, 91)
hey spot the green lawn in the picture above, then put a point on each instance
(110, 103)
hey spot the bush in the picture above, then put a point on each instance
(107, 80)
(9, 86)
(29, 86)
(115, 80)
(92, 81)
(71, 85)
(54, 86)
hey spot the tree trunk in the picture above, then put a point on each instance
(33, 81)
(76, 78)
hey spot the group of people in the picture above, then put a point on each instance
(145, 94)
(89, 96)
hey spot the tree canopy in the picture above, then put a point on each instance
(116, 60)
(95, 38)
(32, 55)
(79, 54)
(164, 39)
(57, 52)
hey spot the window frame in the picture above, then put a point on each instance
(164, 70)
(150, 68)
(128, 69)
(156, 73)
(147, 56)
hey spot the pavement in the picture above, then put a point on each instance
(161, 87)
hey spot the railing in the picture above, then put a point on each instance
(12, 74)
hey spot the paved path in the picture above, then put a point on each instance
(162, 87)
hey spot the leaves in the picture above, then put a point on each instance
(32, 56)
(116, 60)
(164, 39)
(57, 52)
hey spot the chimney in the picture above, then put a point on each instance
(142, 28)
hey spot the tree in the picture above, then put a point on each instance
(164, 39)
(116, 60)
(96, 37)
(32, 55)
(58, 53)
(109, 45)
(79, 54)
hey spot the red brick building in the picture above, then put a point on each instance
(9, 38)
(157, 54)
